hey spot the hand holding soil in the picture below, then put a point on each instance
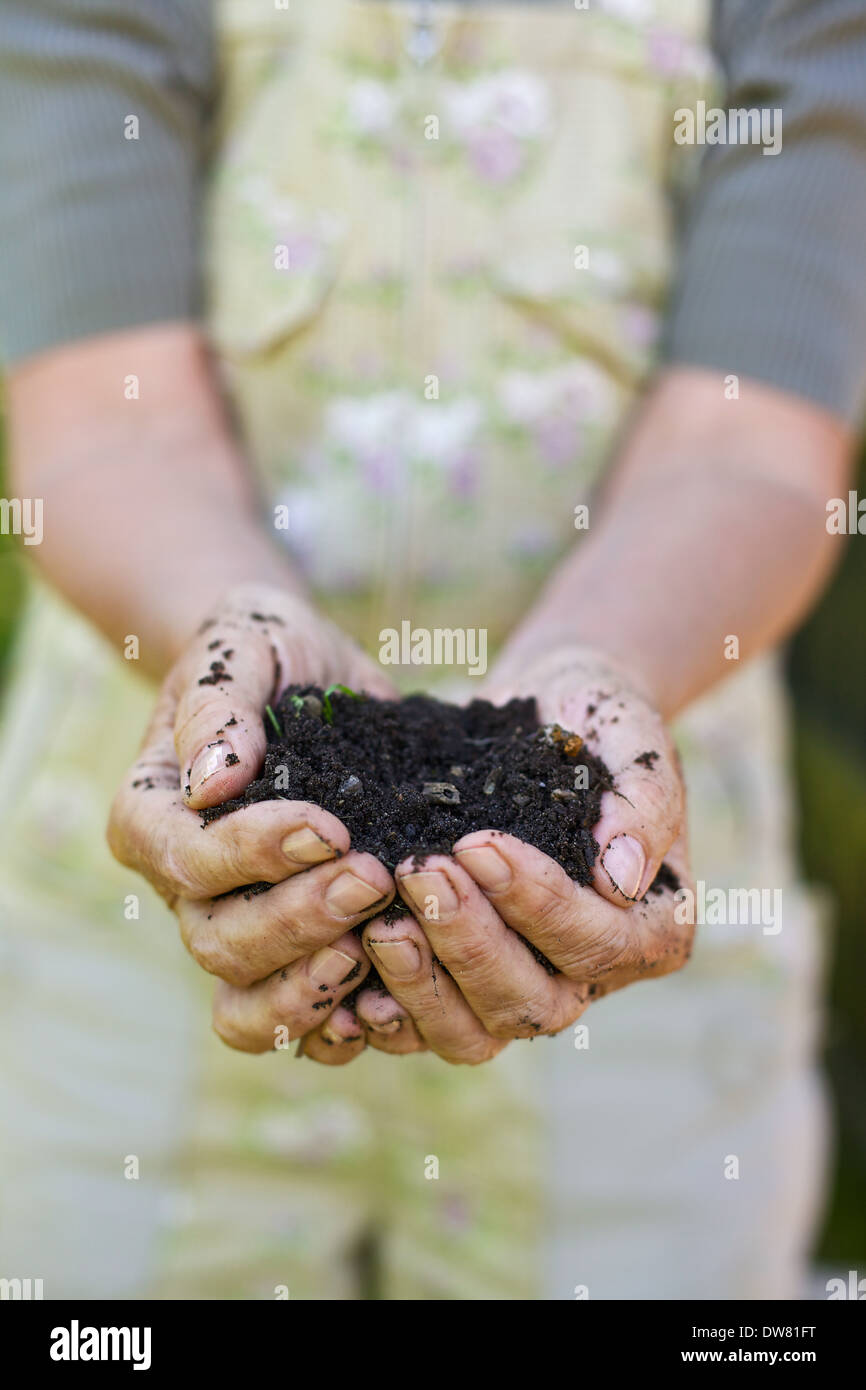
(290, 954)
(516, 945)
(491, 818)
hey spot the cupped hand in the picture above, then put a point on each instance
(284, 958)
(460, 975)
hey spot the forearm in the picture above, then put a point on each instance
(713, 526)
(148, 511)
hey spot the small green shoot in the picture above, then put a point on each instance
(327, 707)
(274, 720)
(297, 704)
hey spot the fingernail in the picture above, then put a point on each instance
(486, 866)
(624, 862)
(349, 894)
(402, 959)
(330, 1035)
(210, 760)
(330, 967)
(306, 847)
(393, 1027)
(432, 894)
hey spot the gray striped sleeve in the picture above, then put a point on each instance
(98, 231)
(772, 269)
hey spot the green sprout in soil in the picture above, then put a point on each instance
(327, 707)
(297, 704)
(274, 720)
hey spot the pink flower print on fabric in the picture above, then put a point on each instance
(497, 119)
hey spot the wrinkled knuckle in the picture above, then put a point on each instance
(237, 971)
(245, 849)
(476, 1052)
(569, 1017)
(294, 934)
(503, 1022)
(241, 859)
(524, 1020)
(283, 1010)
(675, 951)
(670, 964)
(196, 713)
(210, 953)
(550, 911)
(662, 805)
(170, 868)
(504, 1031)
(231, 1035)
(426, 1011)
(590, 949)
(242, 1043)
(603, 954)
(566, 1010)
(655, 796)
(467, 957)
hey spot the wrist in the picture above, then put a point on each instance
(543, 651)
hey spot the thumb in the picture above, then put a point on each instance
(228, 674)
(642, 815)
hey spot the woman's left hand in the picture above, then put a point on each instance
(460, 976)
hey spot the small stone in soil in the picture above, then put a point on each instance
(445, 793)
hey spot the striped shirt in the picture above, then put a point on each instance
(771, 271)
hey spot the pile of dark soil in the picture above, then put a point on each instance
(411, 777)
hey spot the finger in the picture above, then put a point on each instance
(442, 1017)
(233, 668)
(387, 1024)
(662, 927)
(290, 1002)
(152, 831)
(337, 1041)
(512, 994)
(583, 935)
(643, 815)
(244, 937)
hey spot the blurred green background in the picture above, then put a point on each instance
(827, 671)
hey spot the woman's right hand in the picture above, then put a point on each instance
(287, 957)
